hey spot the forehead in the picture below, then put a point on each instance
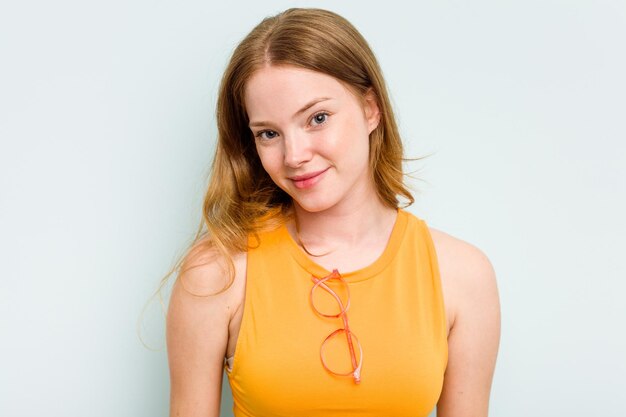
(286, 88)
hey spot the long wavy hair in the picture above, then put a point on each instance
(241, 198)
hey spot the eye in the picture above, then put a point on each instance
(319, 118)
(266, 134)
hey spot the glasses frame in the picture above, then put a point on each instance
(356, 365)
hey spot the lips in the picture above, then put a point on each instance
(308, 180)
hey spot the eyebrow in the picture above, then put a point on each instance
(299, 112)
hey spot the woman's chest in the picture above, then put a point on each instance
(279, 369)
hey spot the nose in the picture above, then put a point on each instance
(297, 150)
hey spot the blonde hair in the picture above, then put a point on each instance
(241, 198)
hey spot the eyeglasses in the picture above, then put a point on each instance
(320, 283)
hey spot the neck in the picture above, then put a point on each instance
(337, 227)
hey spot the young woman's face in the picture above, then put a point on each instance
(312, 135)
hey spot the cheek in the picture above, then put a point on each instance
(270, 160)
(357, 148)
(354, 137)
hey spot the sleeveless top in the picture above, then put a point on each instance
(396, 311)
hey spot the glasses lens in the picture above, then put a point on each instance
(330, 298)
(336, 354)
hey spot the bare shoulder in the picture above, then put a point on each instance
(458, 255)
(208, 285)
(204, 298)
(211, 275)
(467, 274)
(472, 303)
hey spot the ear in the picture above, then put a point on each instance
(372, 111)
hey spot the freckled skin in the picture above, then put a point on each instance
(341, 217)
(331, 136)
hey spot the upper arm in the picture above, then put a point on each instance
(197, 337)
(470, 287)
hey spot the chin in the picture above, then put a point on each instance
(313, 205)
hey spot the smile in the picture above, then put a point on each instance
(308, 180)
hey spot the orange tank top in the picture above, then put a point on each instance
(396, 310)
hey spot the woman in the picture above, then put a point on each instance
(308, 284)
